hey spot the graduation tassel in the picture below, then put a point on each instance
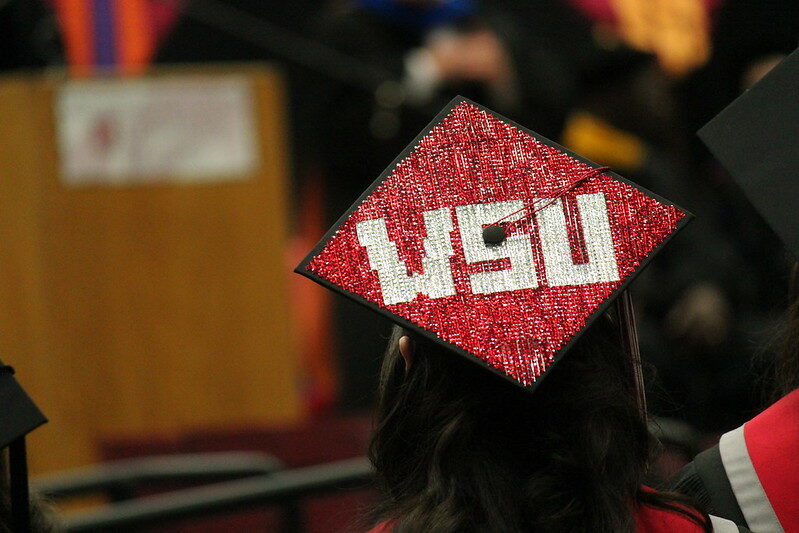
(559, 193)
(629, 342)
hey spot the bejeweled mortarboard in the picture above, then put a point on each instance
(756, 138)
(493, 241)
(18, 414)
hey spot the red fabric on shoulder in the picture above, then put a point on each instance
(772, 440)
(648, 520)
(653, 520)
(382, 527)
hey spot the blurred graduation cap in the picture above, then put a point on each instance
(18, 417)
(756, 138)
(493, 241)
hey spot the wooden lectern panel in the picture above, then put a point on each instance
(145, 308)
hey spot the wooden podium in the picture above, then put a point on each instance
(145, 304)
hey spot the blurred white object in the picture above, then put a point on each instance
(164, 130)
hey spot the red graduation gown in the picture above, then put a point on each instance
(761, 462)
(648, 519)
(752, 475)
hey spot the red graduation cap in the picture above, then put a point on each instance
(493, 241)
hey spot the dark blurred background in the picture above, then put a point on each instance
(625, 83)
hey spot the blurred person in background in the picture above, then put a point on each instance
(752, 475)
(526, 63)
(735, 304)
(721, 308)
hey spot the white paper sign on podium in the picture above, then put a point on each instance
(127, 132)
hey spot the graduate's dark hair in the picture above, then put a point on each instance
(459, 449)
(786, 366)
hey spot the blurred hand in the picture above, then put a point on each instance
(702, 315)
(475, 56)
(445, 49)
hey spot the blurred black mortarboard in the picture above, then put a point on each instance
(18, 414)
(756, 138)
(18, 417)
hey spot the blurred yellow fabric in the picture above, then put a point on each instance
(676, 31)
(597, 140)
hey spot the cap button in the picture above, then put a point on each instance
(494, 234)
